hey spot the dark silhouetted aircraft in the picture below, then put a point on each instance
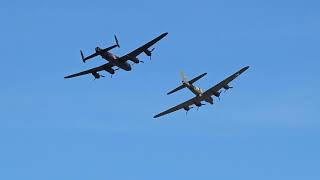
(113, 60)
(200, 94)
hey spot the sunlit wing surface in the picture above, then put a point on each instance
(106, 67)
(142, 49)
(215, 89)
(178, 107)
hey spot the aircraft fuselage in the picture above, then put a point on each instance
(198, 92)
(114, 60)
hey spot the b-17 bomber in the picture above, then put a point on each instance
(113, 60)
(201, 95)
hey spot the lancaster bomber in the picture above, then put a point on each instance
(200, 94)
(113, 60)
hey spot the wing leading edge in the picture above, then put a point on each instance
(185, 104)
(223, 84)
(107, 67)
(143, 48)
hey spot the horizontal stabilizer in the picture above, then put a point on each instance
(177, 89)
(197, 78)
(185, 81)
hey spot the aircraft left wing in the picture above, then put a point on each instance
(215, 89)
(180, 106)
(106, 67)
(132, 55)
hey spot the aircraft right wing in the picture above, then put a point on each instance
(107, 67)
(144, 48)
(215, 89)
(180, 106)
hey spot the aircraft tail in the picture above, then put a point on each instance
(183, 77)
(185, 81)
(82, 56)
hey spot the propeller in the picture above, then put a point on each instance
(219, 95)
(114, 71)
(98, 77)
(136, 63)
(227, 87)
(151, 52)
(188, 110)
(200, 106)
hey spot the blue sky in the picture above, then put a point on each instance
(267, 127)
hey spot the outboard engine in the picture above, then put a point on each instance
(96, 75)
(187, 108)
(226, 87)
(217, 94)
(135, 60)
(148, 52)
(199, 104)
(110, 70)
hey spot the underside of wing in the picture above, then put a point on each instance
(223, 84)
(185, 105)
(106, 67)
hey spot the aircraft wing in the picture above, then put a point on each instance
(143, 48)
(215, 89)
(180, 106)
(93, 70)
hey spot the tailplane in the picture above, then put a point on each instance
(185, 82)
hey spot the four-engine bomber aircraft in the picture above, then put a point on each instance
(113, 60)
(200, 94)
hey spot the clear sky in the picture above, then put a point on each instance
(267, 127)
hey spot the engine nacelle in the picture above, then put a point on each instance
(110, 70)
(135, 60)
(226, 87)
(187, 108)
(147, 52)
(198, 104)
(217, 94)
(96, 75)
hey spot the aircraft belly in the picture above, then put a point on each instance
(114, 62)
(193, 90)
